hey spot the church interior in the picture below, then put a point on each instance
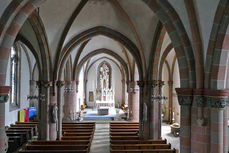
(114, 76)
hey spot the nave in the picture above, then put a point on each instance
(161, 64)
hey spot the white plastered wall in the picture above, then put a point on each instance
(12, 116)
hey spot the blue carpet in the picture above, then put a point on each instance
(92, 115)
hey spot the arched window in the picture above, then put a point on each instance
(14, 78)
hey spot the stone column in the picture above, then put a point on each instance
(33, 92)
(217, 100)
(131, 87)
(59, 85)
(4, 96)
(185, 98)
(160, 85)
(52, 125)
(44, 112)
(170, 83)
(145, 111)
(123, 92)
(154, 113)
(225, 131)
(85, 92)
(70, 101)
(133, 101)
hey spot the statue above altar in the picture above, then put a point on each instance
(104, 91)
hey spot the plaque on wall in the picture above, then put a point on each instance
(91, 96)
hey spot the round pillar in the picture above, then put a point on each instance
(70, 101)
(185, 98)
(4, 96)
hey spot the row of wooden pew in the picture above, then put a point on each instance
(77, 138)
(124, 138)
(19, 133)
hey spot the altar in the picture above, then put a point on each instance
(103, 111)
(100, 104)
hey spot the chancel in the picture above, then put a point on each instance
(114, 76)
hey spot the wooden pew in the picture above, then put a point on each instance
(116, 122)
(140, 146)
(34, 126)
(77, 133)
(57, 147)
(124, 130)
(159, 141)
(144, 151)
(124, 137)
(55, 151)
(24, 135)
(76, 138)
(123, 133)
(32, 129)
(60, 142)
(30, 133)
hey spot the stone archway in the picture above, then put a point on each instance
(100, 30)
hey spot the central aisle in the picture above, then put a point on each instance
(101, 140)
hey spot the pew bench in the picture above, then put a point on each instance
(144, 151)
(159, 141)
(123, 133)
(32, 129)
(78, 133)
(59, 142)
(28, 131)
(124, 137)
(76, 138)
(140, 146)
(53, 151)
(57, 147)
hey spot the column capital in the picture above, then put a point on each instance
(160, 83)
(217, 98)
(45, 84)
(170, 83)
(198, 97)
(60, 83)
(4, 93)
(146, 82)
(185, 96)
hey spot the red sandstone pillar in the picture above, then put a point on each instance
(133, 102)
(70, 101)
(33, 92)
(123, 92)
(130, 98)
(170, 83)
(145, 112)
(218, 100)
(154, 113)
(225, 131)
(52, 125)
(59, 85)
(185, 98)
(199, 125)
(44, 111)
(4, 96)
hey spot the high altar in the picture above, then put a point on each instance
(104, 91)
